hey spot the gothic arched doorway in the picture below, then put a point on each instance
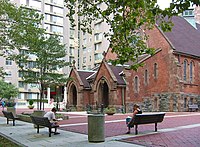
(74, 95)
(103, 94)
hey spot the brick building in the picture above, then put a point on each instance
(168, 81)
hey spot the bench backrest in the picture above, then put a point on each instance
(42, 121)
(8, 114)
(147, 118)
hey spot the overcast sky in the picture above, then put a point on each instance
(164, 3)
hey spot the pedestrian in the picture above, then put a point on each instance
(3, 104)
(52, 118)
(136, 110)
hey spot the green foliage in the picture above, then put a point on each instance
(30, 102)
(7, 90)
(110, 110)
(128, 20)
(38, 57)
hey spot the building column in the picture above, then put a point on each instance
(48, 95)
(65, 95)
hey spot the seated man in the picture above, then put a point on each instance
(52, 118)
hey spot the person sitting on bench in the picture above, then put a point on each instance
(136, 110)
(52, 118)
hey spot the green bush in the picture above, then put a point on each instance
(30, 102)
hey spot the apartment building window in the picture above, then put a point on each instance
(185, 70)
(97, 26)
(84, 41)
(191, 71)
(21, 84)
(84, 50)
(8, 62)
(155, 70)
(98, 37)
(47, 8)
(98, 56)
(20, 74)
(96, 46)
(47, 27)
(35, 4)
(71, 59)
(8, 73)
(84, 59)
(47, 17)
(89, 67)
(71, 51)
(57, 10)
(136, 84)
(90, 58)
(31, 64)
(72, 33)
(56, 29)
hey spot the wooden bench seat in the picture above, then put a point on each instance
(42, 121)
(146, 119)
(10, 117)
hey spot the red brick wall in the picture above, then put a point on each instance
(163, 59)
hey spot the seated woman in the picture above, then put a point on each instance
(136, 110)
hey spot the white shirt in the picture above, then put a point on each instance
(50, 115)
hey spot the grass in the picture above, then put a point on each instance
(7, 143)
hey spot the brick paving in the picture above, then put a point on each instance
(181, 138)
(178, 136)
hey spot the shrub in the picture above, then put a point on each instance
(30, 102)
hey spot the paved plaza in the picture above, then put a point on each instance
(178, 129)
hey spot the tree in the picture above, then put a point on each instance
(128, 20)
(7, 90)
(19, 27)
(45, 58)
(22, 40)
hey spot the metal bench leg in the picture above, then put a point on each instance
(13, 122)
(136, 129)
(7, 120)
(155, 127)
(37, 128)
(49, 132)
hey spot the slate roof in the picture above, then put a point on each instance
(83, 75)
(184, 37)
(116, 71)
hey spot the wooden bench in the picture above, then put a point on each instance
(193, 107)
(146, 119)
(42, 121)
(10, 117)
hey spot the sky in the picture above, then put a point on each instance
(164, 3)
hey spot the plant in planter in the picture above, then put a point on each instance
(110, 110)
(30, 106)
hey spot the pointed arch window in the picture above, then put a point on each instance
(155, 70)
(185, 70)
(146, 77)
(136, 84)
(191, 71)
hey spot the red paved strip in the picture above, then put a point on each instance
(181, 138)
(119, 128)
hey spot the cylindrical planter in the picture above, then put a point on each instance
(96, 128)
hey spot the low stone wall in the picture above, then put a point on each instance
(25, 118)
